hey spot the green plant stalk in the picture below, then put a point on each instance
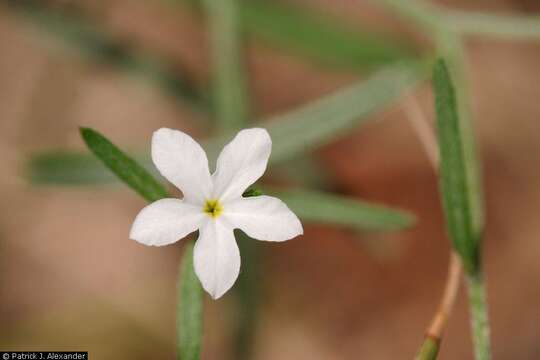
(229, 91)
(429, 350)
(479, 316)
(248, 294)
(189, 309)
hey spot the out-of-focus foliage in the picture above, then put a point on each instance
(319, 207)
(80, 33)
(320, 37)
(294, 133)
(318, 123)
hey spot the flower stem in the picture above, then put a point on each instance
(189, 319)
(479, 317)
(431, 344)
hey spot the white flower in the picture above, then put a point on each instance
(213, 204)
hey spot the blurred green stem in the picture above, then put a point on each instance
(229, 92)
(429, 350)
(479, 317)
(248, 290)
(189, 318)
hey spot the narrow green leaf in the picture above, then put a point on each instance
(451, 48)
(251, 192)
(70, 168)
(190, 309)
(325, 119)
(327, 208)
(59, 167)
(81, 34)
(134, 175)
(229, 92)
(453, 171)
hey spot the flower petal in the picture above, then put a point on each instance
(241, 163)
(165, 221)
(216, 258)
(263, 218)
(183, 162)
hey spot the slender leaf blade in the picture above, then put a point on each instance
(323, 120)
(129, 171)
(320, 37)
(454, 184)
(314, 206)
(62, 167)
(190, 309)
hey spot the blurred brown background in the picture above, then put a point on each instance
(71, 280)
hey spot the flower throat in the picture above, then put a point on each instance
(213, 208)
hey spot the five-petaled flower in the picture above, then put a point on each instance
(213, 204)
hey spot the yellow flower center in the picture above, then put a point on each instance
(213, 208)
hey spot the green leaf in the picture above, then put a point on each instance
(321, 37)
(318, 123)
(454, 185)
(251, 192)
(134, 175)
(60, 167)
(70, 168)
(327, 208)
(190, 309)
(228, 80)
